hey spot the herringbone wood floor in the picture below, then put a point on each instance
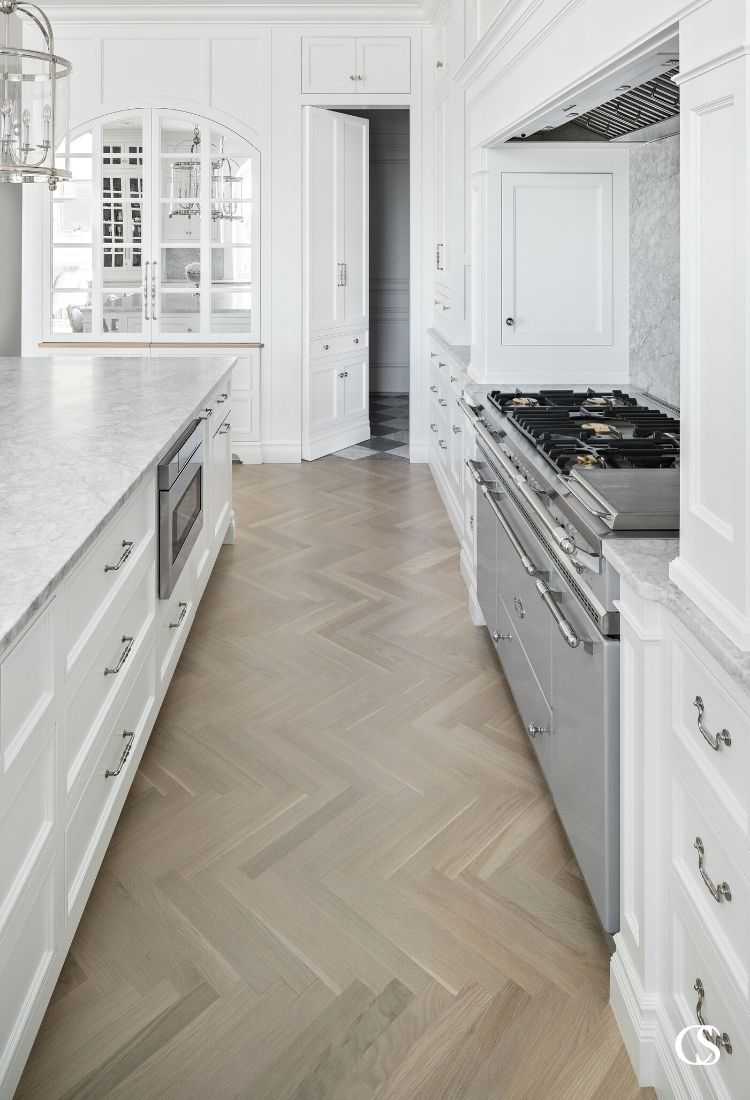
(339, 875)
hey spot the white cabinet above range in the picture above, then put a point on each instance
(550, 264)
(366, 66)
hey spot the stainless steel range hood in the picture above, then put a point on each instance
(653, 102)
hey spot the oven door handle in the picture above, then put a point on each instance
(556, 532)
(513, 538)
(577, 490)
(563, 625)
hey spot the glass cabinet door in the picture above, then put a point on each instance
(155, 238)
(99, 230)
(204, 271)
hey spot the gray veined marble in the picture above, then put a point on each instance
(655, 268)
(644, 565)
(77, 437)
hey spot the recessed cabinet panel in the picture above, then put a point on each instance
(329, 64)
(384, 65)
(356, 219)
(355, 387)
(27, 684)
(324, 391)
(556, 258)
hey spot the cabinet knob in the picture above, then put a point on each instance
(342, 374)
(360, 76)
(439, 64)
(533, 729)
(326, 347)
(356, 339)
(509, 322)
(443, 444)
(352, 77)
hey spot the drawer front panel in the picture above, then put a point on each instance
(99, 688)
(700, 700)
(106, 570)
(692, 960)
(26, 954)
(727, 918)
(27, 684)
(89, 819)
(534, 709)
(342, 344)
(175, 617)
(26, 821)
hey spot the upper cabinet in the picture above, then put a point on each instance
(341, 65)
(156, 236)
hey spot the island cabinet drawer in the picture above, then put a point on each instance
(711, 726)
(27, 689)
(106, 571)
(698, 984)
(175, 618)
(87, 831)
(712, 879)
(102, 684)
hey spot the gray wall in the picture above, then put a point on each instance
(655, 268)
(10, 268)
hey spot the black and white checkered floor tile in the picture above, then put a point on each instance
(389, 425)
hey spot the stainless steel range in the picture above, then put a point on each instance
(559, 472)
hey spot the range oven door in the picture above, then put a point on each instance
(180, 508)
(586, 784)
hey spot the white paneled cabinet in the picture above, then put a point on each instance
(550, 267)
(71, 736)
(363, 66)
(336, 282)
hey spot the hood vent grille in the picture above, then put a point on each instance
(649, 103)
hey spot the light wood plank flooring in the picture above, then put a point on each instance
(339, 875)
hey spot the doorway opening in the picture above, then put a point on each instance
(383, 433)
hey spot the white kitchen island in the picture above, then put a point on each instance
(87, 649)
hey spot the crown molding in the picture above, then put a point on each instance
(238, 12)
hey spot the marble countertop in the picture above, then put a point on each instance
(77, 437)
(644, 565)
(460, 352)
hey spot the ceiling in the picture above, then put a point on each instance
(268, 9)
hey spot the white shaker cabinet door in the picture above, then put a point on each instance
(329, 65)
(356, 214)
(325, 223)
(355, 387)
(384, 65)
(557, 258)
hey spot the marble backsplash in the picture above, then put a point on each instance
(655, 268)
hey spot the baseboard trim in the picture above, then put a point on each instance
(711, 602)
(634, 1012)
(249, 454)
(281, 452)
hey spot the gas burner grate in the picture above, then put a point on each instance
(609, 430)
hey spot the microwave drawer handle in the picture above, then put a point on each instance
(563, 625)
(584, 496)
(513, 539)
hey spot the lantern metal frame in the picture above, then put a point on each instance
(15, 146)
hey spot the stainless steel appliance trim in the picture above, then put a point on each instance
(563, 625)
(189, 461)
(559, 534)
(578, 490)
(515, 542)
(608, 622)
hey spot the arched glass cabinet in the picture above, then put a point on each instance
(156, 237)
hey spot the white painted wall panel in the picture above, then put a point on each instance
(173, 67)
(238, 68)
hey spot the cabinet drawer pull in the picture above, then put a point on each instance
(443, 444)
(123, 656)
(453, 380)
(456, 430)
(433, 389)
(441, 365)
(712, 1033)
(433, 427)
(722, 737)
(225, 428)
(326, 347)
(356, 339)
(183, 612)
(127, 550)
(123, 759)
(222, 398)
(720, 892)
(442, 401)
(209, 413)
